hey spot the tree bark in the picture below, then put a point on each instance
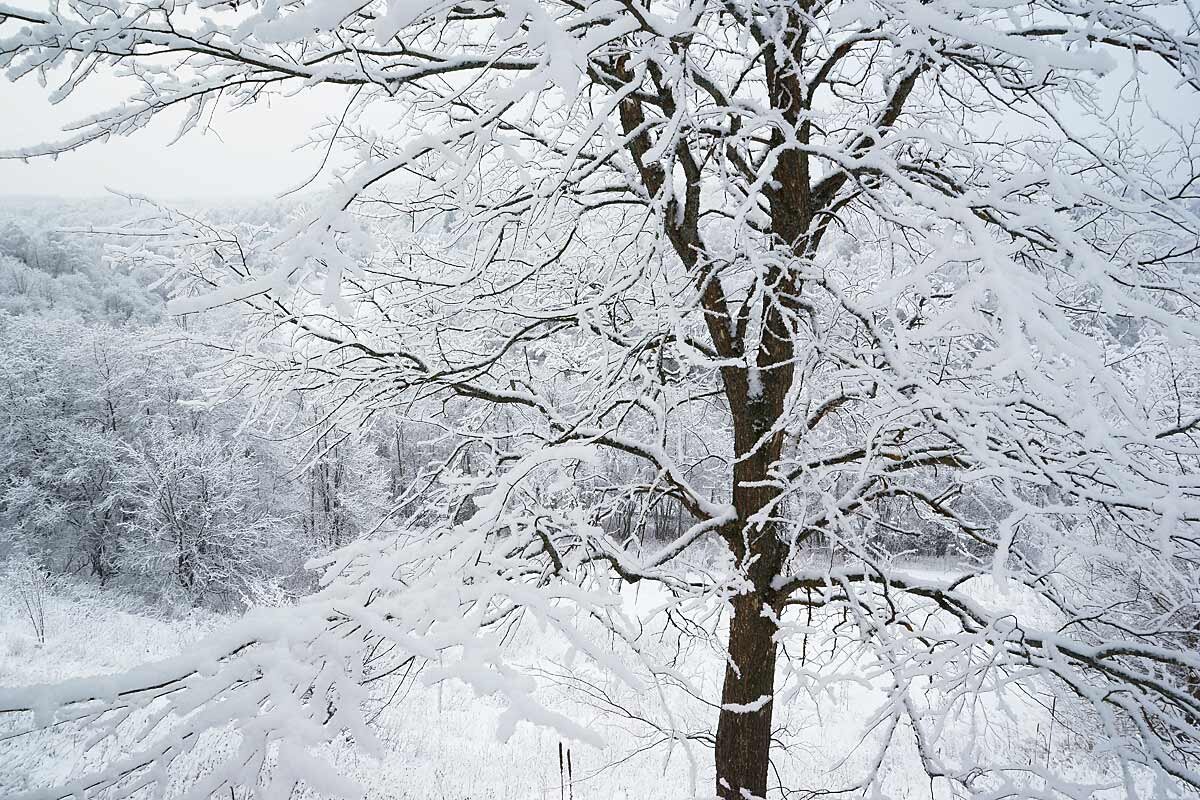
(743, 745)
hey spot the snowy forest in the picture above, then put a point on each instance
(681, 399)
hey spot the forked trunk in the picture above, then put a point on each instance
(744, 727)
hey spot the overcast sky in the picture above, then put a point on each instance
(250, 153)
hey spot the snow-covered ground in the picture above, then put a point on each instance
(440, 742)
(89, 631)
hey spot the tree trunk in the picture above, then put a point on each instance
(744, 727)
(743, 746)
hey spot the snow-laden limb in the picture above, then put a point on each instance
(816, 287)
(284, 681)
(963, 651)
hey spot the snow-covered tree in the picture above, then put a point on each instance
(69, 392)
(112, 463)
(343, 480)
(837, 279)
(196, 523)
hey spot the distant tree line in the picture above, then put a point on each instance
(118, 463)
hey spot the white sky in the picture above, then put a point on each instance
(251, 153)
